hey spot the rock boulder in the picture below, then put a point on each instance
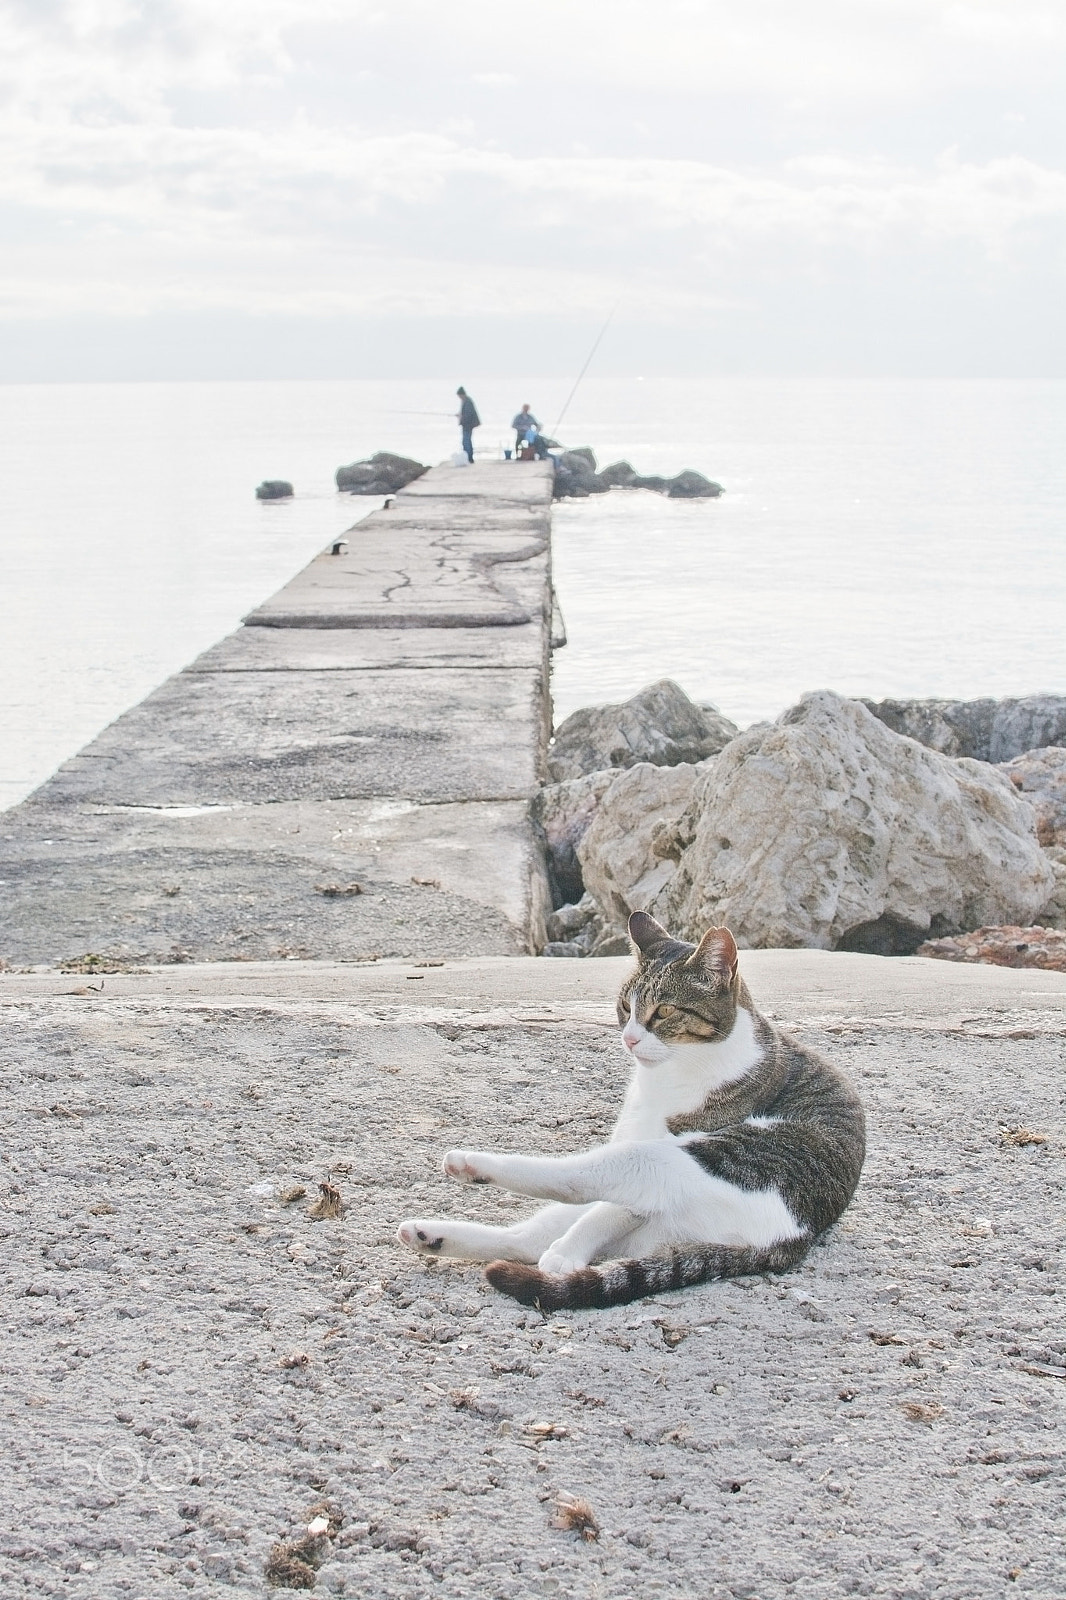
(574, 930)
(986, 730)
(274, 489)
(827, 830)
(619, 475)
(1041, 776)
(561, 814)
(660, 724)
(380, 474)
(691, 485)
(576, 475)
(633, 843)
(1053, 914)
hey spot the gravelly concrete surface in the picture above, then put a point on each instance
(262, 737)
(745, 1440)
(435, 881)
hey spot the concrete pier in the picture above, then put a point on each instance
(379, 722)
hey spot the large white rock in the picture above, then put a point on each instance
(827, 830)
(630, 850)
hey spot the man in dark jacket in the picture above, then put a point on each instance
(468, 421)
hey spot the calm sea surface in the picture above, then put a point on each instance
(880, 538)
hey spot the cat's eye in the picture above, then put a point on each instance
(665, 1011)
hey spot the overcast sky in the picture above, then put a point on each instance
(240, 188)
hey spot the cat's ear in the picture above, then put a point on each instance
(715, 955)
(645, 931)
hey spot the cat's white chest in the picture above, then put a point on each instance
(678, 1086)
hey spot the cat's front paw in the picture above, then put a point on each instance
(558, 1265)
(468, 1166)
(426, 1238)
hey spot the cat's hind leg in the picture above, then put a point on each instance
(475, 1241)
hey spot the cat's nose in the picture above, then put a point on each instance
(630, 1037)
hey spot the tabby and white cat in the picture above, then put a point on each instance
(735, 1148)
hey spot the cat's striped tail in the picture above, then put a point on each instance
(615, 1283)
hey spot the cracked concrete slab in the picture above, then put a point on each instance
(395, 588)
(369, 649)
(436, 560)
(505, 483)
(205, 739)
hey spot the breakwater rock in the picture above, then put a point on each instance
(562, 814)
(1040, 775)
(824, 829)
(986, 730)
(632, 847)
(379, 474)
(576, 475)
(274, 489)
(660, 724)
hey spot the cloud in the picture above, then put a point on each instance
(325, 157)
(134, 56)
(115, 58)
(328, 209)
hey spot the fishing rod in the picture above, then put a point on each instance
(585, 368)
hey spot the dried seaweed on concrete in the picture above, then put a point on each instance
(575, 1515)
(329, 1204)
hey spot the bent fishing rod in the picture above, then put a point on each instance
(584, 369)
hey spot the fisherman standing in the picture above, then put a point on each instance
(468, 421)
(522, 423)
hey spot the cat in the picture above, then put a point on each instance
(735, 1148)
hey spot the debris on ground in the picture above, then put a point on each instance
(1009, 946)
(576, 1516)
(329, 1203)
(1017, 1138)
(922, 1410)
(288, 1566)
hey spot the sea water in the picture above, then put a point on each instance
(879, 538)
